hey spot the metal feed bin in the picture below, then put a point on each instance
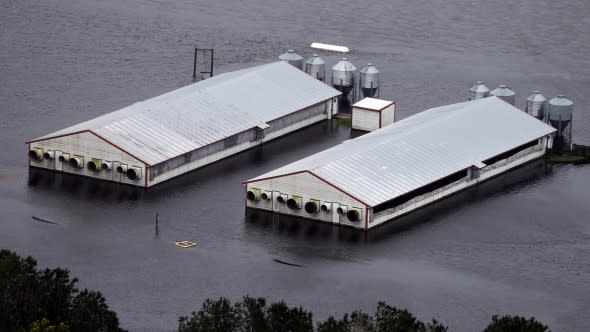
(560, 111)
(343, 76)
(369, 81)
(292, 58)
(505, 93)
(479, 90)
(316, 67)
(536, 105)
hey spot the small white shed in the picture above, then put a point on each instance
(371, 114)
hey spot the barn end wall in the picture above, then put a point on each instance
(88, 146)
(308, 187)
(237, 143)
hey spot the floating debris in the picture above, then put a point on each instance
(44, 220)
(286, 263)
(185, 244)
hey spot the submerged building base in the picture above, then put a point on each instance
(369, 217)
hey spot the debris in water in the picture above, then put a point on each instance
(44, 220)
(286, 263)
(185, 244)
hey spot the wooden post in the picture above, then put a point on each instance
(195, 65)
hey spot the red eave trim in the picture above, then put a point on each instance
(335, 186)
(273, 177)
(372, 109)
(95, 134)
(312, 173)
(57, 136)
(120, 148)
(366, 217)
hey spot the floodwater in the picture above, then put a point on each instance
(518, 244)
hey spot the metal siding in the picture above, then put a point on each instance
(199, 114)
(308, 187)
(421, 149)
(89, 146)
(386, 215)
(365, 120)
(210, 158)
(388, 115)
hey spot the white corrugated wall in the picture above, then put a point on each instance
(308, 187)
(365, 120)
(88, 146)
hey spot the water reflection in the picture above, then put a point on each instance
(70, 185)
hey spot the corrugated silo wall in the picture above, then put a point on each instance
(88, 146)
(236, 143)
(308, 187)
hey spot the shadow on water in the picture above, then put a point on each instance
(294, 227)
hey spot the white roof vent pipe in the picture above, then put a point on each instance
(342, 209)
(478, 91)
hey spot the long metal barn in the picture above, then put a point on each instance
(374, 178)
(160, 138)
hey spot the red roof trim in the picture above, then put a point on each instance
(273, 177)
(335, 186)
(310, 172)
(57, 136)
(372, 109)
(118, 147)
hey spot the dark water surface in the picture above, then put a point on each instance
(518, 244)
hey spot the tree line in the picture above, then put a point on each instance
(47, 300)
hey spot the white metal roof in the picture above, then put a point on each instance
(420, 149)
(372, 104)
(196, 115)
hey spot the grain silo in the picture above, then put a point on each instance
(316, 67)
(536, 105)
(505, 93)
(343, 76)
(292, 58)
(478, 90)
(369, 81)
